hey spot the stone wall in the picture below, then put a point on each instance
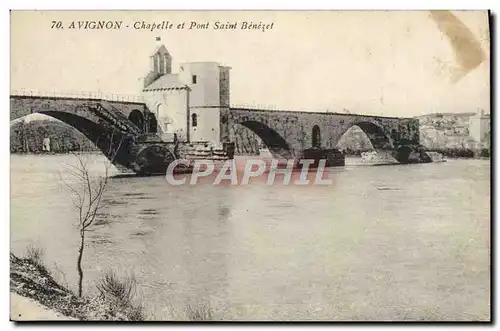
(296, 128)
(127, 107)
(170, 107)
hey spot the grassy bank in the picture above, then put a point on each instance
(29, 278)
(115, 302)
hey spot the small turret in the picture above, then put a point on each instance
(161, 60)
(160, 63)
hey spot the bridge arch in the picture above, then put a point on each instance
(137, 118)
(112, 142)
(152, 159)
(375, 133)
(272, 139)
(151, 123)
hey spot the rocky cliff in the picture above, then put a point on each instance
(439, 131)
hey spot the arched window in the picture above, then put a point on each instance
(194, 120)
(152, 123)
(316, 136)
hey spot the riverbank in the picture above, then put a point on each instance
(26, 309)
(31, 282)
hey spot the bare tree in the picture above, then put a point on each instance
(86, 194)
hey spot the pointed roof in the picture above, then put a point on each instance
(167, 82)
(161, 49)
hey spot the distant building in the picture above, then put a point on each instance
(186, 103)
(479, 128)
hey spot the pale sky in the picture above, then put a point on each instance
(384, 63)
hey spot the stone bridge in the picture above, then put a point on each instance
(124, 131)
(293, 131)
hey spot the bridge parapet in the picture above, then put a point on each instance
(79, 95)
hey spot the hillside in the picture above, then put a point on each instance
(27, 137)
(446, 131)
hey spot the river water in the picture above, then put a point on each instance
(405, 242)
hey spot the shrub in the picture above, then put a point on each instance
(485, 152)
(121, 289)
(199, 312)
(34, 254)
(119, 293)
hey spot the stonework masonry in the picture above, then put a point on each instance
(296, 128)
(25, 105)
(192, 106)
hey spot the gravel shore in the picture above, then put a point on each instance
(26, 309)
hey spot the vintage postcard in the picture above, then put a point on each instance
(250, 166)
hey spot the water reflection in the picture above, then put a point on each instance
(409, 242)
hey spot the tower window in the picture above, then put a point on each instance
(194, 79)
(194, 119)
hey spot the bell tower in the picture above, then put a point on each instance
(161, 60)
(160, 63)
